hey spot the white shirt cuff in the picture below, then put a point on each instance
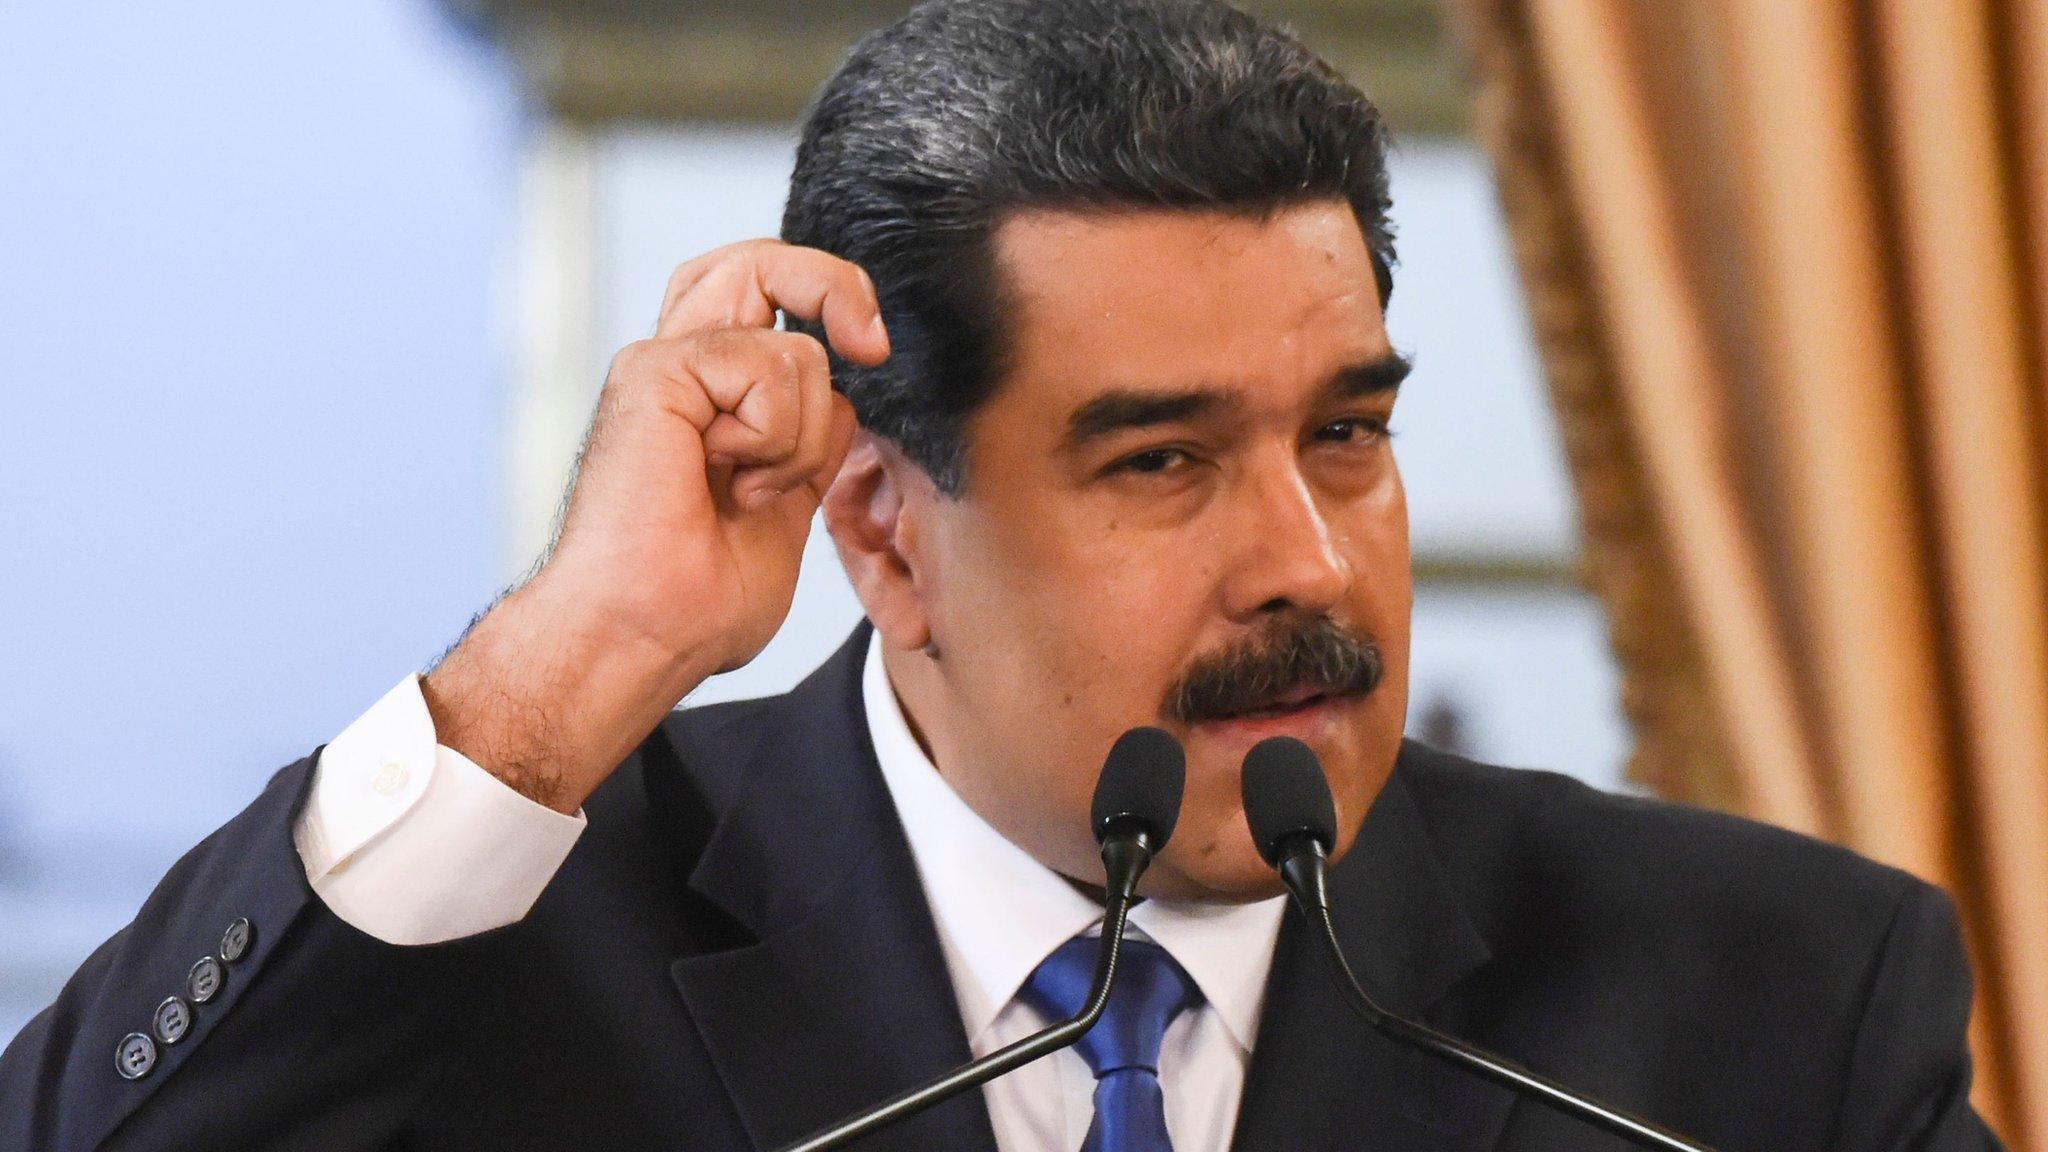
(413, 843)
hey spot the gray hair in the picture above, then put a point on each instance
(936, 127)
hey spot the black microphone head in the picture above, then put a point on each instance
(1285, 793)
(1141, 780)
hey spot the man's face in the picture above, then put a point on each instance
(1181, 509)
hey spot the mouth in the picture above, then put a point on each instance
(1294, 713)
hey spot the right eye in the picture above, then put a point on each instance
(1152, 461)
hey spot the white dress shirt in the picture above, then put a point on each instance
(414, 843)
(999, 912)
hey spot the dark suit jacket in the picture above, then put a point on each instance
(738, 951)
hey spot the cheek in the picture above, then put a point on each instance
(1124, 610)
(1374, 541)
(1065, 643)
(1383, 590)
(1083, 616)
(1382, 600)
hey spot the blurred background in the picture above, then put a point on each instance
(305, 308)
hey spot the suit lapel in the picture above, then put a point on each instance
(842, 998)
(1320, 1079)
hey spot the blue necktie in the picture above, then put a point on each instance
(1123, 1047)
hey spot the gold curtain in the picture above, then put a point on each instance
(1788, 265)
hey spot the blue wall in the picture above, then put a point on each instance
(250, 390)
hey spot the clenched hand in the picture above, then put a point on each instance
(677, 556)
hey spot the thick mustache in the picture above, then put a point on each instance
(1319, 656)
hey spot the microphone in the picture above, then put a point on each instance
(1294, 825)
(1137, 803)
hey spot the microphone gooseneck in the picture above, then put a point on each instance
(1294, 825)
(1137, 803)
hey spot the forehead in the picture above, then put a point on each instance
(1127, 298)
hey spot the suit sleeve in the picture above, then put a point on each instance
(1908, 1088)
(296, 1030)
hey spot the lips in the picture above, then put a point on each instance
(1290, 703)
(1309, 716)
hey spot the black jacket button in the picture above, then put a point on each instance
(135, 1055)
(204, 981)
(172, 1020)
(234, 943)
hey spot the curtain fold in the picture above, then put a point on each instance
(1807, 244)
(1657, 330)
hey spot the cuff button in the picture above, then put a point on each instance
(234, 943)
(173, 1019)
(204, 981)
(135, 1055)
(391, 778)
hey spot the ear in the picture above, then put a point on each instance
(874, 523)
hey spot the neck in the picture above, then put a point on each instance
(915, 681)
(923, 695)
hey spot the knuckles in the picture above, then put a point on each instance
(816, 360)
(709, 371)
(748, 352)
(636, 359)
(715, 367)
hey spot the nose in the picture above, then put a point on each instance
(1286, 559)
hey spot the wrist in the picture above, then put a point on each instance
(549, 696)
(646, 618)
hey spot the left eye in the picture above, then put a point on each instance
(1356, 428)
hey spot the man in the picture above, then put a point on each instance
(1103, 442)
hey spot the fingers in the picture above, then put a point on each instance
(840, 441)
(814, 433)
(772, 408)
(742, 286)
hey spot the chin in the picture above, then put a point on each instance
(1223, 870)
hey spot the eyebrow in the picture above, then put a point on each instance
(1370, 378)
(1122, 409)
